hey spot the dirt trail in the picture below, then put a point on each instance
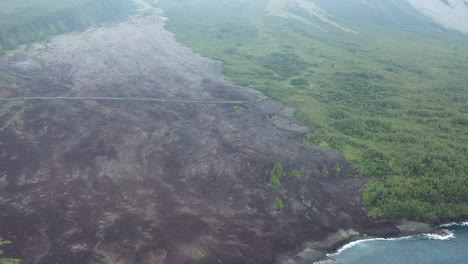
(132, 181)
(130, 99)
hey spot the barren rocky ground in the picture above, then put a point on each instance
(102, 181)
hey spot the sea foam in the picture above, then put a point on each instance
(454, 224)
(443, 235)
(446, 236)
(355, 243)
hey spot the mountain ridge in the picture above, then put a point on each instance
(351, 14)
(452, 14)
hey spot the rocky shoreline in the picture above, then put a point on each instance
(408, 229)
(325, 250)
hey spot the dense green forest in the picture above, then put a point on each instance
(26, 21)
(393, 101)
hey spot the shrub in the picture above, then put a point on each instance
(284, 64)
(299, 82)
(279, 205)
(276, 173)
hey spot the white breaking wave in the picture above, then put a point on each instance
(454, 224)
(449, 224)
(355, 243)
(446, 236)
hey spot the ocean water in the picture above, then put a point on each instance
(422, 249)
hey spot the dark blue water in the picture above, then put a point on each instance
(413, 250)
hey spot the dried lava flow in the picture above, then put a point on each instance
(102, 181)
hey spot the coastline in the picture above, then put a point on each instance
(345, 192)
(438, 233)
(352, 238)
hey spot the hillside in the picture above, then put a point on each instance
(27, 21)
(452, 14)
(94, 171)
(261, 132)
(414, 15)
(356, 15)
(377, 80)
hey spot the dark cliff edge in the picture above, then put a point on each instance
(62, 21)
(137, 181)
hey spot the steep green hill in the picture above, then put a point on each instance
(25, 21)
(378, 81)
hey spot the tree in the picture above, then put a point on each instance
(300, 82)
(279, 205)
(325, 171)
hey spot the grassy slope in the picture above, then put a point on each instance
(15, 12)
(26, 21)
(394, 102)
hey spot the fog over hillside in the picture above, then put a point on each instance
(452, 14)
(353, 16)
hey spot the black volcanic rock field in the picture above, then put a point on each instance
(135, 181)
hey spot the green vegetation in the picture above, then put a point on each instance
(325, 170)
(238, 108)
(27, 21)
(283, 64)
(395, 102)
(297, 173)
(7, 260)
(300, 82)
(276, 174)
(338, 167)
(279, 205)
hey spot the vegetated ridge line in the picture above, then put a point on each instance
(130, 99)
